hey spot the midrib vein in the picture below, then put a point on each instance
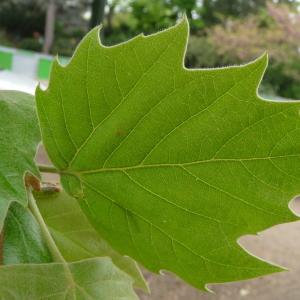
(162, 165)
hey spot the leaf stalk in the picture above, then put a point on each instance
(57, 256)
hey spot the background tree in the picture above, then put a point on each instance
(215, 11)
(22, 17)
(49, 26)
(98, 7)
(222, 31)
(276, 31)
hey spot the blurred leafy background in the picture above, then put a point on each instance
(223, 32)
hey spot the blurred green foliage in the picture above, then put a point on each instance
(23, 17)
(275, 29)
(30, 44)
(223, 32)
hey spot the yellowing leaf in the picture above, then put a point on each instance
(172, 165)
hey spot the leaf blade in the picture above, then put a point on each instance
(79, 240)
(94, 278)
(19, 139)
(176, 165)
(23, 242)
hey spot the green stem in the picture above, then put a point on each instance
(57, 256)
(47, 169)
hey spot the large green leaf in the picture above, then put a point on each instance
(19, 137)
(172, 165)
(23, 242)
(89, 279)
(75, 237)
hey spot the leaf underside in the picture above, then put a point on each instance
(76, 238)
(95, 278)
(27, 272)
(23, 241)
(19, 137)
(172, 165)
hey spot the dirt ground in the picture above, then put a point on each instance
(279, 244)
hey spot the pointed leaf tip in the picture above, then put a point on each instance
(183, 24)
(96, 33)
(263, 61)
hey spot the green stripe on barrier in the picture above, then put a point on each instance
(44, 68)
(6, 60)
